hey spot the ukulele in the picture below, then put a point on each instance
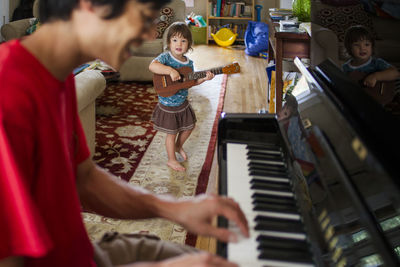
(382, 92)
(164, 86)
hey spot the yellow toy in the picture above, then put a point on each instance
(224, 37)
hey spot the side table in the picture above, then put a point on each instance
(285, 44)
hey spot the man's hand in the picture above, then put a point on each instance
(201, 259)
(196, 216)
(197, 260)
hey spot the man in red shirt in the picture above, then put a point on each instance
(46, 144)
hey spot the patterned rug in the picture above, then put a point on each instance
(128, 147)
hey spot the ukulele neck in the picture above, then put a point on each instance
(201, 74)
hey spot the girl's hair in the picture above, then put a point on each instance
(355, 34)
(179, 29)
(61, 9)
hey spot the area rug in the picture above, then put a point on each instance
(128, 147)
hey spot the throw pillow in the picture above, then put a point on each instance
(339, 19)
(166, 15)
(35, 24)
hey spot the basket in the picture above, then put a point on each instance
(199, 34)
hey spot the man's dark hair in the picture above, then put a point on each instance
(355, 34)
(62, 9)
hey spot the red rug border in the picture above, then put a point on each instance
(204, 175)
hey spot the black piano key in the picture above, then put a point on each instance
(282, 243)
(266, 159)
(271, 184)
(274, 207)
(265, 186)
(285, 255)
(264, 147)
(273, 174)
(275, 201)
(253, 166)
(271, 224)
(264, 156)
(259, 197)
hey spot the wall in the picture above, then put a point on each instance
(13, 5)
(4, 12)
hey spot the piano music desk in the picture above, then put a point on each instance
(285, 44)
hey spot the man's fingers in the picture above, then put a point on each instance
(231, 210)
(221, 234)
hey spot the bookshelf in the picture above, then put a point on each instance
(235, 13)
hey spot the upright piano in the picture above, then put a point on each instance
(320, 183)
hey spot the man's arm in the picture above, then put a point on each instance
(12, 262)
(105, 194)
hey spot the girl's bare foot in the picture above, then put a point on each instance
(182, 153)
(175, 165)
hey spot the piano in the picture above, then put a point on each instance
(319, 183)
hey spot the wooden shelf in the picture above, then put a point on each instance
(240, 20)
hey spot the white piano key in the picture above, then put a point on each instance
(272, 179)
(271, 162)
(297, 236)
(245, 252)
(278, 215)
(273, 192)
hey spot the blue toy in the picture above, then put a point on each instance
(256, 38)
(258, 10)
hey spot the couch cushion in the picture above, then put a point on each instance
(89, 85)
(149, 48)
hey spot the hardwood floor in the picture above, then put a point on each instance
(246, 92)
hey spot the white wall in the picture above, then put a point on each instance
(4, 12)
(285, 3)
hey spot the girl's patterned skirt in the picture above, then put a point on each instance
(172, 120)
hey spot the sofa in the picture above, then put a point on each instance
(329, 23)
(136, 68)
(89, 84)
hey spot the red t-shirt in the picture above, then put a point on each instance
(46, 140)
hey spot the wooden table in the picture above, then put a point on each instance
(285, 44)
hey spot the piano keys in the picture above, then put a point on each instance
(265, 195)
(312, 198)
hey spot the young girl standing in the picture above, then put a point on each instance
(174, 115)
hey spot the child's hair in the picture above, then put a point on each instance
(355, 34)
(291, 104)
(179, 29)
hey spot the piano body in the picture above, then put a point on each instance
(319, 188)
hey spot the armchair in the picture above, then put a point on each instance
(136, 68)
(17, 29)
